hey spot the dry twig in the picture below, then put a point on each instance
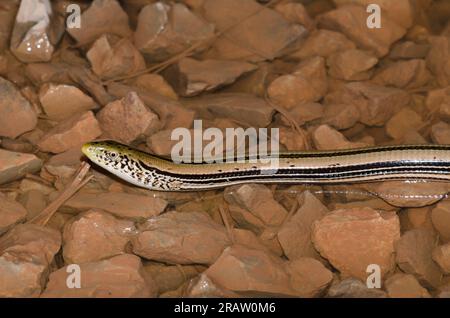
(78, 182)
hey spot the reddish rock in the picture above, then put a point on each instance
(165, 30)
(117, 277)
(440, 133)
(111, 59)
(25, 256)
(441, 255)
(404, 74)
(179, 238)
(246, 108)
(191, 77)
(245, 219)
(414, 256)
(308, 83)
(261, 36)
(248, 239)
(295, 234)
(95, 235)
(11, 213)
(170, 112)
(253, 272)
(155, 83)
(16, 114)
(419, 218)
(402, 12)
(341, 116)
(304, 113)
(63, 101)
(102, 17)
(295, 13)
(402, 123)
(127, 119)
(327, 138)
(405, 286)
(409, 50)
(71, 132)
(34, 201)
(259, 201)
(30, 38)
(351, 65)
(293, 140)
(323, 43)
(203, 286)
(15, 165)
(353, 239)
(171, 277)
(308, 276)
(120, 204)
(351, 20)
(354, 288)
(376, 104)
(440, 216)
(438, 59)
(438, 100)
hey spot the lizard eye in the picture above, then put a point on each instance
(113, 155)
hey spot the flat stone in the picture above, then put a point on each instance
(127, 119)
(165, 30)
(25, 256)
(308, 83)
(102, 17)
(95, 235)
(30, 38)
(351, 65)
(376, 104)
(191, 77)
(309, 277)
(355, 238)
(405, 286)
(261, 36)
(61, 101)
(259, 201)
(114, 59)
(440, 216)
(327, 138)
(405, 121)
(354, 288)
(179, 238)
(402, 12)
(323, 43)
(15, 165)
(71, 132)
(16, 113)
(441, 255)
(295, 234)
(440, 133)
(404, 74)
(351, 20)
(11, 213)
(123, 205)
(254, 111)
(250, 271)
(414, 256)
(121, 276)
(438, 59)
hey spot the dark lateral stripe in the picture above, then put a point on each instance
(313, 177)
(305, 171)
